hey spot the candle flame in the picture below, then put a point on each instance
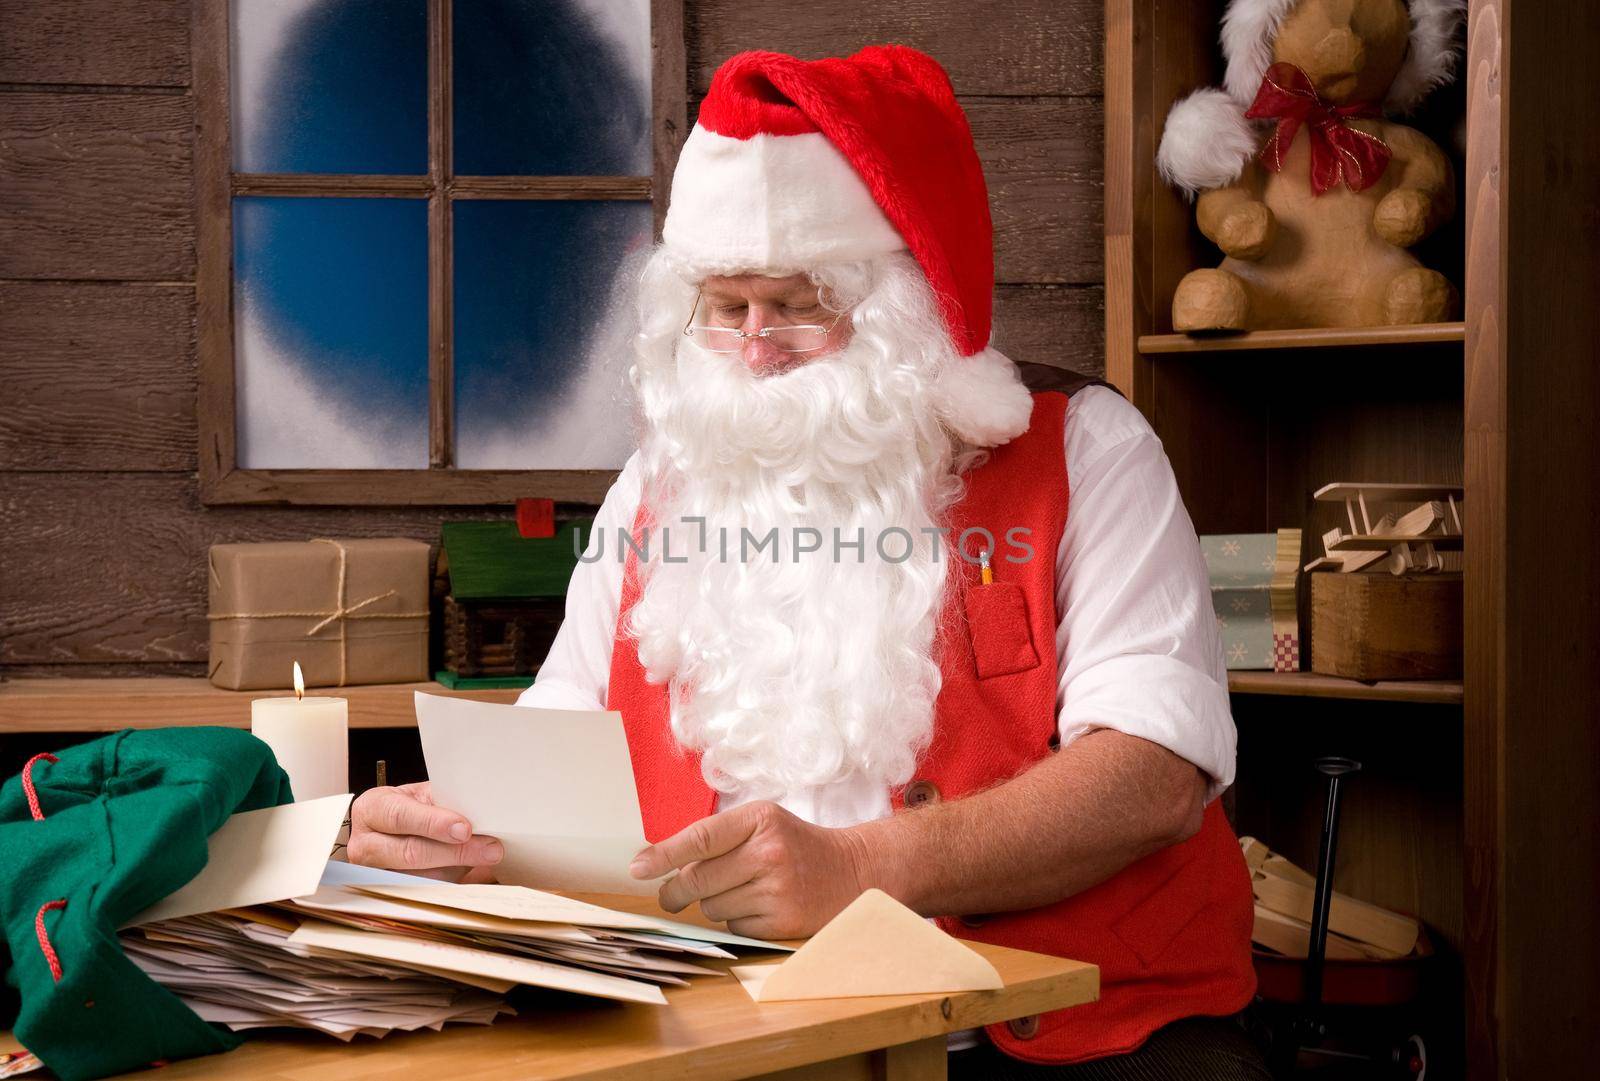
(299, 682)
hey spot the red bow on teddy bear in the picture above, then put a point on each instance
(1339, 152)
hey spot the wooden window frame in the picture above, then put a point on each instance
(222, 481)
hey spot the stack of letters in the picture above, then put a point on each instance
(238, 969)
(271, 934)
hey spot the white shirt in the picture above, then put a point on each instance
(1137, 644)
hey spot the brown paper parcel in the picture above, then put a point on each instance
(350, 611)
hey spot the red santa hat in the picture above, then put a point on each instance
(794, 163)
(1207, 140)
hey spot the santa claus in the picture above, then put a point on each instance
(880, 616)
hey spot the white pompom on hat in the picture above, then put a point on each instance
(1208, 141)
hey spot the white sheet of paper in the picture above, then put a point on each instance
(258, 857)
(555, 786)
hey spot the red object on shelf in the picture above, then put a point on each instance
(536, 517)
(1344, 983)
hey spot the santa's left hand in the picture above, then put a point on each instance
(760, 869)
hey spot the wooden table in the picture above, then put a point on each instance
(708, 1031)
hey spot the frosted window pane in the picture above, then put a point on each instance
(330, 86)
(541, 346)
(552, 87)
(331, 333)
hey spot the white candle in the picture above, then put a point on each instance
(309, 736)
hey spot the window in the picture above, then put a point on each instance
(413, 216)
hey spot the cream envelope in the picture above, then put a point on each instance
(345, 901)
(406, 950)
(876, 946)
(555, 786)
(521, 903)
(258, 857)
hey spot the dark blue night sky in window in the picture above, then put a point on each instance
(328, 291)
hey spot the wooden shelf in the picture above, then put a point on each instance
(107, 705)
(1322, 338)
(1311, 685)
(1382, 542)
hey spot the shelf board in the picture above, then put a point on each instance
(1311, 685)
(1317, 338)
(107, 705)
(1382, 542)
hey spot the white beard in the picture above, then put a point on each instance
(810, 669)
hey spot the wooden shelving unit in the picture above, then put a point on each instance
(1311, 685)
(108, 705)
(1269, 417)
(1316, 338)
(1486, 831)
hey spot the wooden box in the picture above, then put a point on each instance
(1378, 626)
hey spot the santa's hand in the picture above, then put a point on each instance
(760, 869)
(401, 828)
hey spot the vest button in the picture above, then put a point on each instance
(920, 792)
(1024, 1028)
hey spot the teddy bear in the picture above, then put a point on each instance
(1312, 194)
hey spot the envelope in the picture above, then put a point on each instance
(345, 901)
(519, 903)
(410, 951)
(555, 786)
(258, 857)
(876, 946)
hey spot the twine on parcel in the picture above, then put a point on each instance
(341, 613)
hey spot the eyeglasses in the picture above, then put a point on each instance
(792, 338)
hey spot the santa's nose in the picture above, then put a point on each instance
(760, 354)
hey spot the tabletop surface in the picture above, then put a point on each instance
(710, 1030)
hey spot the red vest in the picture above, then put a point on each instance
(1171, 933)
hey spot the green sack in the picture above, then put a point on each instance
(125, 822)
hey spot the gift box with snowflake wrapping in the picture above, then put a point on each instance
(1253, 578)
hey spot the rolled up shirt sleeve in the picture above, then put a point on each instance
(576, 672)
(1137, 642)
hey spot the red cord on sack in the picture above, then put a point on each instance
(34, 809)
(45, 948)
(27, 784)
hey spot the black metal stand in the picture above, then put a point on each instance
(1307, 1027)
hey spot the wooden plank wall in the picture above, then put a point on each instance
(1029, 74)
(102, 535)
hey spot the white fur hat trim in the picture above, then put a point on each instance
(771, 202)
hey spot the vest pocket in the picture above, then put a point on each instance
(1151, 926)
(1002, 641)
